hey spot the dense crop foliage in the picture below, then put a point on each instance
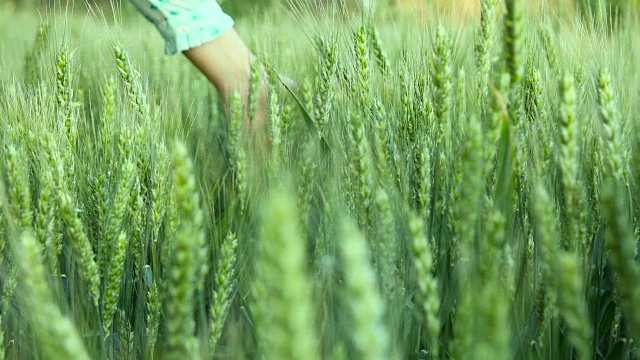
(425, 192)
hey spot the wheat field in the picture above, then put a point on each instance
(438, 189)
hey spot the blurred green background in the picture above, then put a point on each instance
(241, 8)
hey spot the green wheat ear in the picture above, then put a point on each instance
(327, 62)
(610, 120)
(306, 183)
(443, 81)
(19, 186)
(381, 141)
(423, 175)
(64, 96)
(569, 159)
(366, 307)
(388, 249)
(183, 274)
(132, 83)
(572, 306)
(560, 270)
(56, 335)
(361, 54)
(360, 169)
(114, 282)
(116, 215)
(484, 48)
(224, 288)
(285, 316)
(84, 255)
(154, 309)
(482, 320)
(237, 149)
(470, 187)
(275, 129)
(428, 298)
(514, 30)
(379, 53)
(549, 48)
(621, 245)
(256, 81)
(32, 59)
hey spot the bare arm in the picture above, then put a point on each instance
(226, 62)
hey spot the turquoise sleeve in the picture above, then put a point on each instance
(185, 24)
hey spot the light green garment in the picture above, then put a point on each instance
(185, 24)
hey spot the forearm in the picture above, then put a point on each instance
(226, 62)
(205, 35)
